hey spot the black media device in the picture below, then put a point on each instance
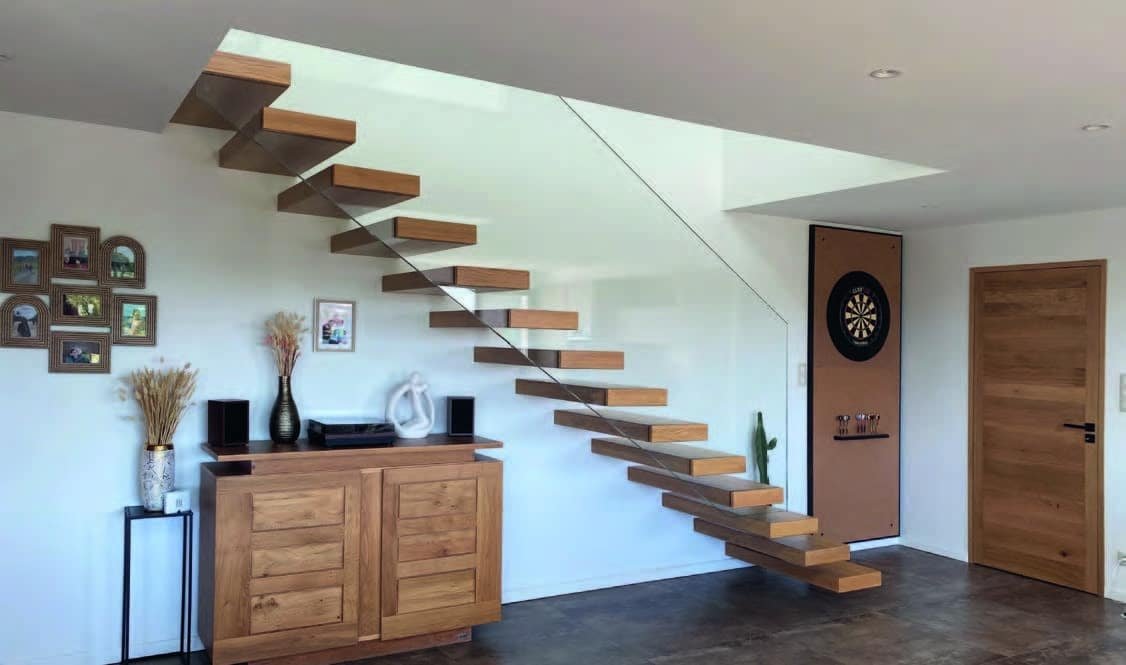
(459, 416)
(228, 422)
(344, 435)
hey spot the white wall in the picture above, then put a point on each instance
(221, 260)
(935, 356)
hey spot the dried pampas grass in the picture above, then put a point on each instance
(283, 335)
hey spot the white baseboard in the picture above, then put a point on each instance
(873, 544)
(88, 658)
(935, 549)
(531, 592)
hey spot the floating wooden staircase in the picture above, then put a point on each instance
(343, 191)
(481, 280)
(591, 392)
(286, 142)
(676, 457)
(550, 358)
(235, 92)
(531, 319)
(639, 427)
(404, 236)
(730, 491)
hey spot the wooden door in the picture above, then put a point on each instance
(1036, 386)
(441, 548)
(286, 564)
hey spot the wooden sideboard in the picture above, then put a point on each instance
(311, 556)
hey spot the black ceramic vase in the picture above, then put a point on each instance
(285, 424)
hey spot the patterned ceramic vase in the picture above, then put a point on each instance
(158, 475)
(285, 423)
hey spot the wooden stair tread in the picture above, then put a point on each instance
(728, 491)
(687, 460)
(404, 236)
(231, 89)
(554, 358)
(532, 319)
(356, 189)
(804, 550)
(640, 427)
(840, 577)
(286, 142)
(482, 280)
(766, 521)
(603, 394)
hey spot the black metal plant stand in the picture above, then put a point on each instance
(133, 513)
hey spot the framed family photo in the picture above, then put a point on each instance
(79, 353)
(80, 305)
(24, 266)
(134, 320)
(122, 263)
(25, 322)
(74, 251)
(335, 325)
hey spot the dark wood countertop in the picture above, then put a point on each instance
(259, 451)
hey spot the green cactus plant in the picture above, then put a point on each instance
(761, 449)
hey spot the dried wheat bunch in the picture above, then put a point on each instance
(162, 396)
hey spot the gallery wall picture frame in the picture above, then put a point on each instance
(79, 352)
(121, 263)
(25, 322)
(25, 266)
(334, 325)
(74, 251)
(74, 305)
(134, 320)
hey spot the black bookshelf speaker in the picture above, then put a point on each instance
(459, 416)
(228, 422)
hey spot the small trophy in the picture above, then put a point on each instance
(861, 423)
(873, 422)
(842, 425)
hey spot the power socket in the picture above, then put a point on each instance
(1121, 558)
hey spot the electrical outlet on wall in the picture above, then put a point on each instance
(1122, 392)
(1122, 558)
(803, 376)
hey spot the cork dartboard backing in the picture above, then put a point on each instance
(854, 362)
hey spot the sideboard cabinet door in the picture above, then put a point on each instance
(286, 564)
(441, 547)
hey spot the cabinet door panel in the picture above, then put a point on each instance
(286, 562)
(441, 529)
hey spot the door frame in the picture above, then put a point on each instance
(972, 484)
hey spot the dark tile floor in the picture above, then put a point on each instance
(929, 610)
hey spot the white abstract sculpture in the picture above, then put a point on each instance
(422, 419)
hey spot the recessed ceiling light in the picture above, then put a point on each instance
(1098, 127)
(885, 73)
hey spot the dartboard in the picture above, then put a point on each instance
(858, 316)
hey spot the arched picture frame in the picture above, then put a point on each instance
(25, 322)
(122, 263)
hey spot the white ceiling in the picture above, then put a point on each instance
(994, 91)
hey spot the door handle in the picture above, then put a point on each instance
(1088, 429)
